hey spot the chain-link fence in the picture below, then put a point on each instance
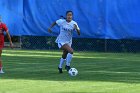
(79, 44)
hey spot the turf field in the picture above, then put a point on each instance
(36, 72)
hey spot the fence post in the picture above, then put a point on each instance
(20, 41)
(105, 46)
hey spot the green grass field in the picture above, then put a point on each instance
(36, 72)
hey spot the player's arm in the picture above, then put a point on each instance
(52, 25)
(9, 38)
(8, 35)
(58, 22)
(77, 29)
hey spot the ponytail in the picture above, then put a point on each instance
(62, 17)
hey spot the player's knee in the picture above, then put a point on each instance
(71, 51)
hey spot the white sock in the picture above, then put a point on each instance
(1, 70)
(61, 62)
(69, 58)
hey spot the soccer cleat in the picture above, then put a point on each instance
(60, 70)
(67, 68)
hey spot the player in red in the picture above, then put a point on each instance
(3, 28)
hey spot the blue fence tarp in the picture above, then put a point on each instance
(113, 19)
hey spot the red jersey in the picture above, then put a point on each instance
(3, 28)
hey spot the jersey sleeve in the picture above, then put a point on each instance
(76, 25)
(59, 22)
(5, 27)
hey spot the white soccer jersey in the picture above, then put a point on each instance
(66, 31)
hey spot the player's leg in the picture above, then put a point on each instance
(69, 55)
(64, 55)
(1, 71)
(65, 52)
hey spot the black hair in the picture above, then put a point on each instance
(66, 14)
(69, 12)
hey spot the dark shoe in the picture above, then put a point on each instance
(60, 70)
(67, 68)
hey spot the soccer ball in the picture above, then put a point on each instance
(73, 72)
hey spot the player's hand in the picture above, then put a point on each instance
(76, 28)
(49, 30)
(78, 33)
(11, 45)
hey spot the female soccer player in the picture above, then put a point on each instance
(64, 39)
(3, 28)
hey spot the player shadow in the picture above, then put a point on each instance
(41, 68)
